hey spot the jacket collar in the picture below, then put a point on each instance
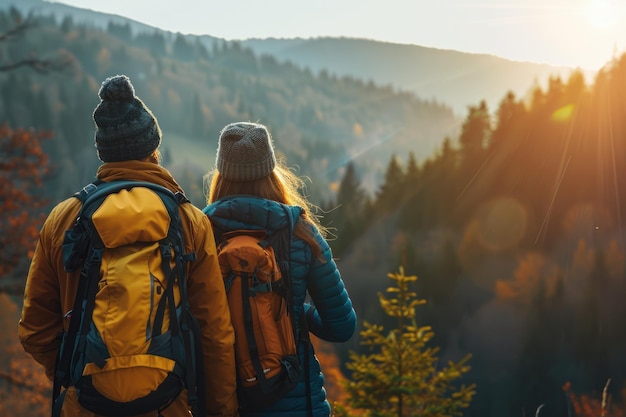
(250, 212)
(138, 171)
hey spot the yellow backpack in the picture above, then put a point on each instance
(132, 344)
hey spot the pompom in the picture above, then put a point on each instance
(117, 88)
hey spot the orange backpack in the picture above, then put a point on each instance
(259, 296)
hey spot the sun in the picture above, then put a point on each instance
(602, 13)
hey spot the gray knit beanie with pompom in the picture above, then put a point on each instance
(245, 152)
(125, 128)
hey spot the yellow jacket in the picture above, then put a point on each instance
(50, 293)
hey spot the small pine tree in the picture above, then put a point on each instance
(402, 376)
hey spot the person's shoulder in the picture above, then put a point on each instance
(61, 217)
(66, 208)
(194, 215)
(192, 210)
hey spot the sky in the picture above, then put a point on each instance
(575, 33)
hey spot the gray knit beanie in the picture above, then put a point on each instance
(245, 152)
(125, 128)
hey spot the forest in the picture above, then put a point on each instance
(511, 219)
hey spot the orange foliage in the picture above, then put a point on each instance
(533, 270)
(585, 405)
(24, 390)
(24, 387)
(23, 167)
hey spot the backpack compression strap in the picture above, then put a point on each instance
(87, 286)
(187, 325)
(284, 258)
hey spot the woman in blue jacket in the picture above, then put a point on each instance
(249, 189)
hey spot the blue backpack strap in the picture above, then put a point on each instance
(77, 247)
(281, 241)
(284, 238)
(88, 189)
(188, 326)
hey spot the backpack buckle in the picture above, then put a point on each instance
(94, 259)
(166, 251)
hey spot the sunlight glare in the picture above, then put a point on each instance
(563, 114)
(602, 13)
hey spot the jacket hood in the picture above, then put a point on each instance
(249, 212)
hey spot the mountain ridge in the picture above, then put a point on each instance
(455, 78)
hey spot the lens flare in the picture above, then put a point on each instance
(503, 223)
(563, 114)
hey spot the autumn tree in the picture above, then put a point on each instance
(23, 167)
(596, 405)
(402, 376)
(23, 163)
(24, 388)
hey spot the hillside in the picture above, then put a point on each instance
(84, 16)
(59, 10)
(512, 218)
(453, 78)
(458, 79)
(196, 85)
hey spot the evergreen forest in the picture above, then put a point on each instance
(510, 218)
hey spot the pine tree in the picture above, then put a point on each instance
(392, 189)
(476, 130)
(412, 173)
(402, 376)
(349, 217)
(183, 49)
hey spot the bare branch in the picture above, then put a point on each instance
(59, 63)
(15, 31)
(41, 66)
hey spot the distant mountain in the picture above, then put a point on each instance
(372, 99)
(455, 78)
(196, 85)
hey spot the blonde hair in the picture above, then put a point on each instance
(155, 157)
(283, 186)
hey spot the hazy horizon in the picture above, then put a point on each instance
(574, 33)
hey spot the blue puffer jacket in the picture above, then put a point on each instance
(332, 319)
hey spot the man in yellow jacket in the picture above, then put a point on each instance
(127, 140)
